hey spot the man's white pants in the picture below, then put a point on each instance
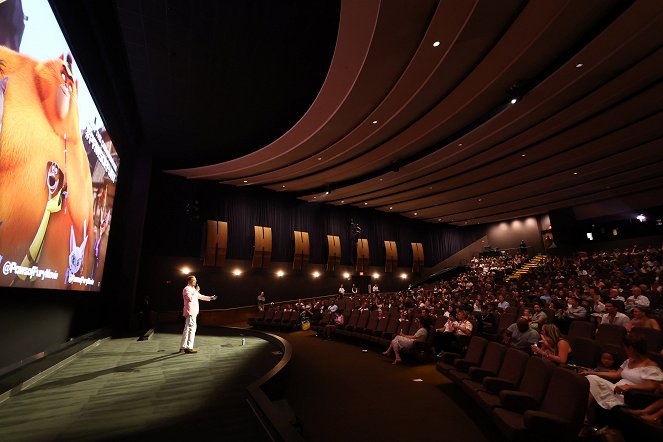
(189, 333)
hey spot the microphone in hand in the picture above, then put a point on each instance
(213, 298)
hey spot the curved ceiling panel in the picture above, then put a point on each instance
(414, 114)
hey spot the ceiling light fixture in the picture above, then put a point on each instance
(365, 204)
(245, 181)
(319, 158)
(436, 44)
(579, 65)
(415, 213)
(391, 208)
(375, 121)
(523, 155)
(575, 173)
(514, 100)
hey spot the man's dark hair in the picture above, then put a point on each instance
(189, 278)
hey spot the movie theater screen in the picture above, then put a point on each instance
(58, 166)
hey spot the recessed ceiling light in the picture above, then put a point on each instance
(523, 155)
(479, 199)
(365, 204)
(283, 186)
(514, 100)
(245, 181)
(436, 44)
(342, 201)
(579, 65)
(415, 213)
(460, 144)
(430, 188)
(439, 219)
(314, 197)
(391, 208)
(375, 121)
(465, 222)
(327, 192)
(575, 173)
(319, 158)
(380, 179)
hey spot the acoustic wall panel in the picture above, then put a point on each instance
(302, 251)
(216, 243)
(334, 250)
(262, 252)
(417, 257)
(362, 255)
(391, 254)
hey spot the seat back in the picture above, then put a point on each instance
(654, 338)
(513, 365)
(535, 378)
(363, 318)
(586, 352)
(415, 325)
(512, 310)
(392, 325)
(354, 317)
(325, 318)
(493, 356)
(581, 329)
(382, 323)
(294, 316)
(566, 398)
(476, 349)
(277, 316)
(403, 326)
(610, 334)
(372, 322)
(506, 319)
(269, 314)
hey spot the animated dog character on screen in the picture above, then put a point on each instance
(45, 181)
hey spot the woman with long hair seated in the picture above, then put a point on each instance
(553, 346)
(406, 342)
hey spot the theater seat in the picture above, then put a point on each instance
(490, 365)
(473, 356)
(559, 417)
(581, 329)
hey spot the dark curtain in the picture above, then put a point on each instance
(179, 208)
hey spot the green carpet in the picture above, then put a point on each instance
(125, 389)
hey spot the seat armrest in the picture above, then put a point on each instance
(546, 424)
(494, 384)
(449, 357)
(517, 401)
(477, 373)
(464, 364)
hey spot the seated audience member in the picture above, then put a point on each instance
(553, 346)
(406, 342)
(520, 336)
(597, 305)
(637, 299)
(447, 339)
(638, 372)
(502, 304)
(640, 319)
(608, 362)
(574, 310)
(614, 295)
(613, 316)
(337, 318)
(538, 318)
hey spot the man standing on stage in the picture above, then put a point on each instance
(191, 294)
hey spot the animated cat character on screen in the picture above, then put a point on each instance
(45, 182)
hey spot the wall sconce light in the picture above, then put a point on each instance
(237, 272)
(403, 275)
(376, 275)
(186, 270)
(316, 274)
(346, 275)
(280, 273)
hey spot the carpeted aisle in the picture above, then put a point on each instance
(339, 392)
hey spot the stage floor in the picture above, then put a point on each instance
(125, 389)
